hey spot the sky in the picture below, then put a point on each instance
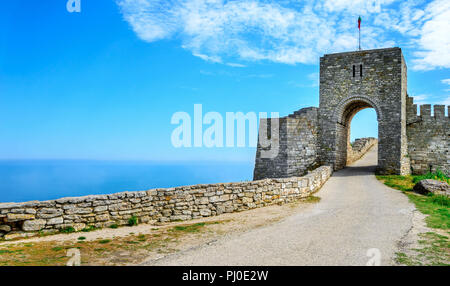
(104, 83)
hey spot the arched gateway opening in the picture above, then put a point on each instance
(345, 113)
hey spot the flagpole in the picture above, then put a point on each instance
(359, 39)
(359, 33)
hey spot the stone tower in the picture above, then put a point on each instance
(350, 82)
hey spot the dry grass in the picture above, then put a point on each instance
(117, 251)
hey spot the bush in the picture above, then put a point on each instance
(113, 226)
(133, 221)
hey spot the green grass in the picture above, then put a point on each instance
(189, 228)
(438, 175)
(68, 229)
(312, 199)
(132, 221)
(89, 228)
(437, 207)
(5, 251)
(434, 251)
(435, 248)
(82, 238)
(114, 226)
(104, 241)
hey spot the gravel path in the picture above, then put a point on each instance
(356, 213)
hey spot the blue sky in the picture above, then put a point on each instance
(105, 82)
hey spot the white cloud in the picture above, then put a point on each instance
(434, 39)
(446, 101)
(446, 81)
(291, 32)
(421, 98)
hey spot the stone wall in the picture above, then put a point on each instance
(174, 204)
(359, 148)
(298, 146)
(428, 138)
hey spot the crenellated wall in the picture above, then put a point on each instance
(428, 138)
(181, 203)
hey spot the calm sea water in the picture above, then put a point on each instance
(44, 180)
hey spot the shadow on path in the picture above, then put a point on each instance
(351, 171)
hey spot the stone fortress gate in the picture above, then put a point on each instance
(349, 82)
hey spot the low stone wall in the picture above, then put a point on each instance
(173, 204)
(359, 148)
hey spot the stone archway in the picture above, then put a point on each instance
(352, 81)
(343, 115)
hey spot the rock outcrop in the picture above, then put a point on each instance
(436, 187)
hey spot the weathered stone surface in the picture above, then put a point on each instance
(55, 220)
(34, 225)
(18, 234)
(5, 228)
(428, 138)
(19, 217)
(432, 186)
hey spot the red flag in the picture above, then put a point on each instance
(359, 23)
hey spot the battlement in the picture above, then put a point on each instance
(308, 111)
(426, 112)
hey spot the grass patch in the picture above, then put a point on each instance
(82, 238)
(89, 228)
(189, 228)
(438, 175)
(402, 183)
(132, 221)
(104, 241)
(68, 229)
(434, 251)
(312, 199)
(435, 248)
(437, 207)
(114, 226)
(3, 251)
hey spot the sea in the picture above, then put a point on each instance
(29, 180)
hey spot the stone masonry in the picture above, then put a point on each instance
(428, 138)
(163, 205)
(350, 82)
